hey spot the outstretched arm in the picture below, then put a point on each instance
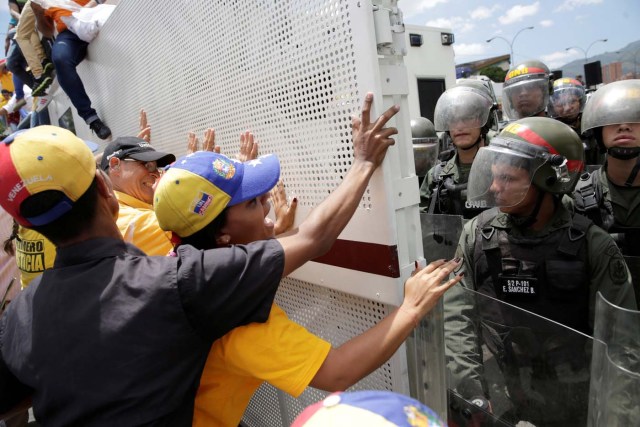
(352, 361)
(315, 236)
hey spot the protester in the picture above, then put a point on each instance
(28, 39)
(191, 201)
(67, 53)
(141, 327)
(132, 164)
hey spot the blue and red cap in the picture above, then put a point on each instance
(197, 187)
(42, 159)
(370, 409)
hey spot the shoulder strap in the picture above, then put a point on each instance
(572, 241)
(587, 195)
(488, 241)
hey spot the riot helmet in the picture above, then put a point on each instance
(567, 100)
(526, 90)
(469, 104)
(421, 129)
(534, 150)
(614, 103)
(425, 145)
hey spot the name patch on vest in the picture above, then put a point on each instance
(514, 285)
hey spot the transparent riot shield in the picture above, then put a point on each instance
(615, 368)
(507, 366)
(440, 235)
(633, 262)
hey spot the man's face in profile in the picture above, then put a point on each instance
(511, 188)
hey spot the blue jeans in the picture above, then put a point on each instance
(18, 66)
(67, 52)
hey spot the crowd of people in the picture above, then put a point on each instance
(218, 334)
(148, 281)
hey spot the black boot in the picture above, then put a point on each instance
(100, 129)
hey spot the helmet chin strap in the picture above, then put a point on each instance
(624, 153)
(529, 220)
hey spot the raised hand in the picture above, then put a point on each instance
(193, 144)
(248, 147)
(145, 129)
(209, 142)
(285, 212)
(371, 140)
(425, 287)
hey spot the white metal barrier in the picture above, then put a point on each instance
(293, 72)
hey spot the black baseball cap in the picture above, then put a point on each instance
(134, 148)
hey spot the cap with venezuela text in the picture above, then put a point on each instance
(41, 159)
(197, 187)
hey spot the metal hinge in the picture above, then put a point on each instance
(389, 27)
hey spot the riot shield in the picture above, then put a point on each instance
(615, 368)
(633, 262)
(506, 365)
(440, 235)
(627, 240)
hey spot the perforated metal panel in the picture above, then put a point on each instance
(336, 317)
(293, 72)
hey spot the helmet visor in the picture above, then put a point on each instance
(526, 97)
(566, 103)
(614, 103)
(500, 176)
(461, 108)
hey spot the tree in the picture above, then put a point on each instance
(495, 73)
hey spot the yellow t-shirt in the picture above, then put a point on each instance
(6, 81)
(139, 226)
(279, 351)
(34, 254)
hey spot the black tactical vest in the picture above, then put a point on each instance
(448, 196)
(546, 275)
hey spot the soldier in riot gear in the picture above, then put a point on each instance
(425, 145)
(467, 113)
(526, 90)
(566, 104)
(532, 253)
(610, 196)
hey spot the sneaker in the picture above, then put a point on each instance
(47, 69)
(41, 85)
(41, 102)
(100, 129)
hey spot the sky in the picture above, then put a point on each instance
(557, 25)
